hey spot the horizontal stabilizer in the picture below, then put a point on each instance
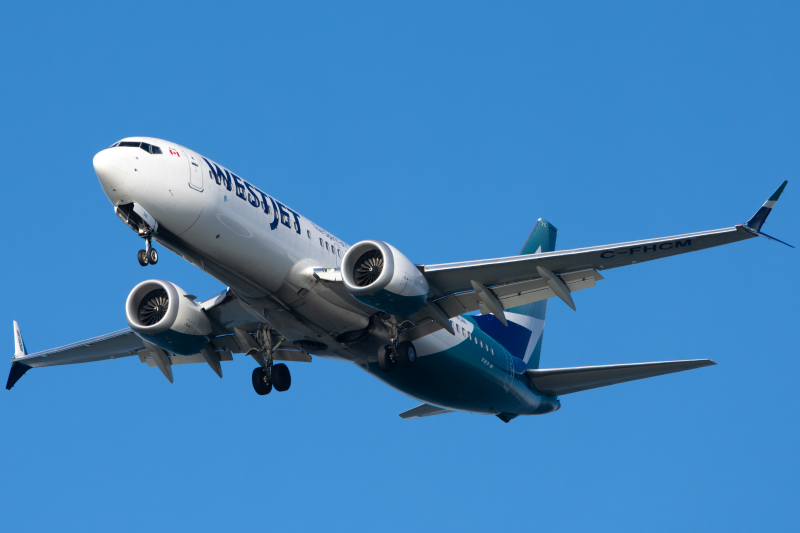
(558, 381)
(424, 410)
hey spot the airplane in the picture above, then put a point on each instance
(463, 336)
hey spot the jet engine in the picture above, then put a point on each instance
(378, 275)
(163, 314)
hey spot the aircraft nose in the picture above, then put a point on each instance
(111, 170)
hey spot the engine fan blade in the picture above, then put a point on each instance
(153, 307)
(368, 268)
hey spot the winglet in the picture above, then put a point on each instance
(760, 217)
(17, 371)
(754, 224)
(19, 344)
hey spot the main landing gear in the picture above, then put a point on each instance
(269, 375)
(148, 256)
(403, 353)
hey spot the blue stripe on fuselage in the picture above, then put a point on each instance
(514, 338)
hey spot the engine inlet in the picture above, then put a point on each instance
(153, 307)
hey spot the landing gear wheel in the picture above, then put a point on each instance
(386, 358)
(281, 378)
(142, 256)
(261, 384)
(406, 354)
(152, 256)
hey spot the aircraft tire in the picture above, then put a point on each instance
(406, 354)
(260, 383)
(152, 256)
(385, 359)
(142, 257)
(281, 377)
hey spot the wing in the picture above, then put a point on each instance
(493, 285)
(233, 325)
(560, 381)
(122, 343)
(453, 278)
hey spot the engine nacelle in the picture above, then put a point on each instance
(378, 275)
(160, 313)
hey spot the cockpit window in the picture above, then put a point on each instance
(113, 145)
(144, 146)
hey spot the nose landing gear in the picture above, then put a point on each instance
(269, 375)
(148, 256)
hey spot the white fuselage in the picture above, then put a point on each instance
(266, 255)
(267, 252)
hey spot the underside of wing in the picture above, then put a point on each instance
(233, 333)
(517, 293)
(120, 343)
(494, 285)
(560, 381)
(453, 278)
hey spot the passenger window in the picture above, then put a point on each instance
(326, 245)
(320, 242)
(340, 252)
(492, 351)
(308, 231)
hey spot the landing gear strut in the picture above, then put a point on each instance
(269, 375)
(148, 256)
(396, 352)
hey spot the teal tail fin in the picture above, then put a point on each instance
(523, 336)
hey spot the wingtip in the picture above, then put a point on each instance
(17, 371)
(757, 221)
(777, 193)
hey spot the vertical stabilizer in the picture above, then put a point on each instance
(19, 344)
(523, 336)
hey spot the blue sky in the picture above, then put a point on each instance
(446, 130)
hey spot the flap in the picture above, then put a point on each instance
(518, 293)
